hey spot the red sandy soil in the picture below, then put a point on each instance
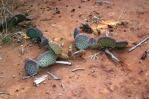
(101, 78)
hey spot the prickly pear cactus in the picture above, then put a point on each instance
(47, 58)
(106, 42)
(81, 41)
(121, 44)
(31, 67)
(92, 43)
(76, 32)
(34, 33)
(14, 20)
(55, 47)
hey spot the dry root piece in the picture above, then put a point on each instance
(145, 54)
(53, 76)
(114, 58)
(4, 92)
(39, 80)
(64, 62)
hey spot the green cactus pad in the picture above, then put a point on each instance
(106, 42)
(76, 32)
(55, 47)
(31, 67)
(47, 58)
(92, 43)
(121, 44)
(81, 41)
(34, 33)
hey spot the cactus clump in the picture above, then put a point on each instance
(31, 67)
(47, 58)
(81, 41)
(106, 42)
(121, 44)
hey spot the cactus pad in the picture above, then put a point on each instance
(92, 43)
(55, 47)
(34, 33)
(46, 59)
(14, 20)
(31, 67)
(81, 41)
(76, 32)
(106, 42)
(121, 44)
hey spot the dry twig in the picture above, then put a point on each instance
(76, 69)
(63, 62)
(4, 92)
(114, 58)
(139, 44)
(53, 76)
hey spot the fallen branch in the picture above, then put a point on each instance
(114, 58)
(80, 52)
(63, 87)
(37, 81)
(4, 92)
(63, 62)
(53, 76)
(139, 44)
(76, 69)
(25, 77)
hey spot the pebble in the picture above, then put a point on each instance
(0, 57)
(14, 76)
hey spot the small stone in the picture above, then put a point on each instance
(0, 57)
(14, 76)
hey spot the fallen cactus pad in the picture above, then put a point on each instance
(55, 47)
(106, 42)
(31, 67)
(92, 43)
(47, 58)
(34, 33)
(81, 41)
(14, 20)
(121, 44)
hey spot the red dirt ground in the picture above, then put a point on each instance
(102, 78)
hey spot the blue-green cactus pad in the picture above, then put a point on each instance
(31, 67)
(47, 58)
(81, 41)
(106, 42)
(34, 33)
(76, 32)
